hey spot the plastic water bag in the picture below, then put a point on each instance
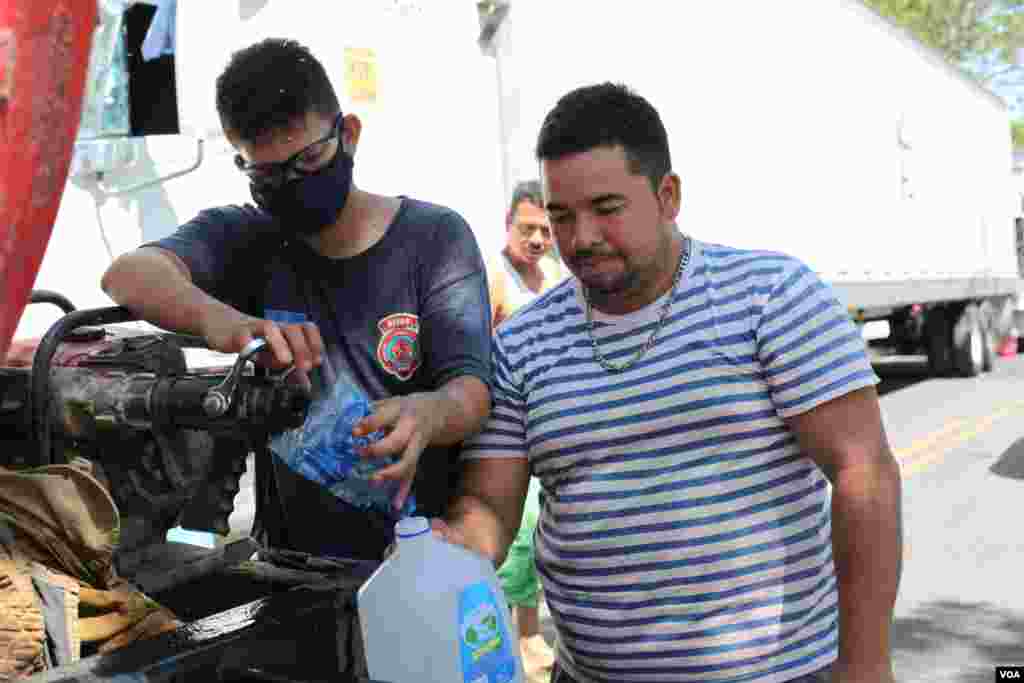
(324, 450)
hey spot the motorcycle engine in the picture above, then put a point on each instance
(127, 402)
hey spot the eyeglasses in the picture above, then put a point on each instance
(271, 176)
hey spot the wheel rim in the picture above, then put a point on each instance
(977, 347)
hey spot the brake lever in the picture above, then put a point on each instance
(218, 400)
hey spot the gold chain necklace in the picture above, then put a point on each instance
(684, 259)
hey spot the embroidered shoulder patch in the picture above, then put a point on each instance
(398, 350)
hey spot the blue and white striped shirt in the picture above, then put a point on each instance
(683, 535)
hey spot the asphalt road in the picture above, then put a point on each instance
(960, 443)
(961, 446)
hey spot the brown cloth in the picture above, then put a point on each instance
(59, 527)
(64, 519)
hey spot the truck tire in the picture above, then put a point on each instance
(989, 363)
(1001, 313)
(938, 337)
(999, 326)
(970, 343)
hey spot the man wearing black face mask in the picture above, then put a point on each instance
(388, 291)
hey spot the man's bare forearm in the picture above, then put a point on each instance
(156, 289)
(465, 403)
(868, 550)
(479, 527)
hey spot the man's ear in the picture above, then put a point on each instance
(670, 196)
(351, 131)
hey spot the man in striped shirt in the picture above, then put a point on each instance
(720, 502)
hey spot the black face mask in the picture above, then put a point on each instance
(309, 204)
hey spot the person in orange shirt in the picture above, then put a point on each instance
(527, 267)
(529, 264)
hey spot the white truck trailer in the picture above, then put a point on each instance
(815, 128)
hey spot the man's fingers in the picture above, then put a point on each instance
(299, 344)
(238, 341)
(440, 527)
(392, 443)
(302, 355)
(405, 468)
(446, 533)
(314, 341)
(385, 413)
(295, 343)
(403, 492)
(278, 344)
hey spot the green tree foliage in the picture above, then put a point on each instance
(980, 36)
(1017, 128)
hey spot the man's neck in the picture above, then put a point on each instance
(623, 303)
(531, 273)
(361, 224)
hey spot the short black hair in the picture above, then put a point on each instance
(271, 84)
(526, 191)
(607, 115)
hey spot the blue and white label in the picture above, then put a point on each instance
(483, 637)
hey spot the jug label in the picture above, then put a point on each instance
(483, 637)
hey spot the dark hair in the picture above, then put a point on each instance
(269, 85)
(526, 191)
(607, 115)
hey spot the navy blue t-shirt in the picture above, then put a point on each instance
(407, 315)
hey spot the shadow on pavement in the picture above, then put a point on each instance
(975, 637)
(1011, 462)
(945, 640)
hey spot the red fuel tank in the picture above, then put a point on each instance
(44, 58)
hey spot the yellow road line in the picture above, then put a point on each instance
(926, 442)
(929, 449)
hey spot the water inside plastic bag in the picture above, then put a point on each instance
(324, 450)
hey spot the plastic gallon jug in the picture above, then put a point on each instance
(435, 612)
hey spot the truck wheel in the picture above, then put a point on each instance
(969, 343)
(938, 341)
(1000, 317)
(989, 362)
